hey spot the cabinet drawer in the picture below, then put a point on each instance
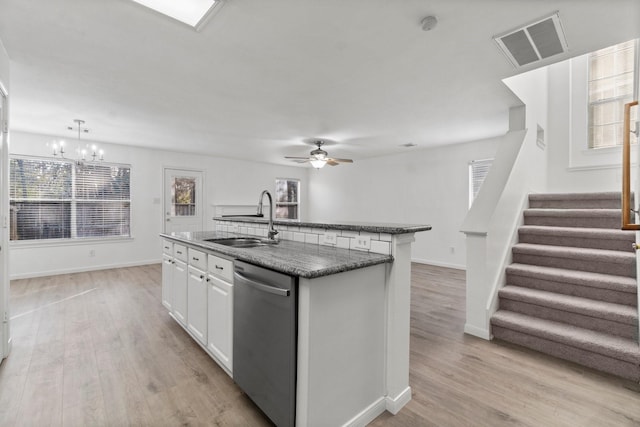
(198, 259)
(180, 252)
(221, 267)
(167, 247)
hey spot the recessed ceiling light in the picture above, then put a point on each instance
(191, 12)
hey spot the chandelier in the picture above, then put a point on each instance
(81, 152)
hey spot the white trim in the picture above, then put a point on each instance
(439, 264)
(85, 269)
(78, 241)
(368, 414)
(596, 167)
(394, 404)
(6, 342)
(478, 332)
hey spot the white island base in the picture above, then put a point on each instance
(353, 343)
(353, 326)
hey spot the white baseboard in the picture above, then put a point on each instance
(478, 332)
(394, 404)
(82, 269)
(367, 415)
(439, 264)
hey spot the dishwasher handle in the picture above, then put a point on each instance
(261, 286)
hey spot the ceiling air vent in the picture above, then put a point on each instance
(533, 42)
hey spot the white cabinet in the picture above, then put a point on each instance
(167, 274)
(220, 342)
(220, 296)
(180, 291)
(167, 281)
(197, 288)
(197, 304)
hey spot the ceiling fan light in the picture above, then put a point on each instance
(318, 163)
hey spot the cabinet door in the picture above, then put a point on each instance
(220, 295)
(180, 291)
(197, 304)
(167, 281)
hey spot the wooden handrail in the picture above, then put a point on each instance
(626, 170)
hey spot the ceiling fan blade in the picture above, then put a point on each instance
(340, 160)
(296, 158)
(332, 162)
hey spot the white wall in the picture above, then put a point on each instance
(421, 186)
(226, 182)
(520, 168)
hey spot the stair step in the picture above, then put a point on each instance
(602, 287)
(585, 218)
(597, 350)
(596, 238)
(582, 259)
(603, 200)
(616, 319)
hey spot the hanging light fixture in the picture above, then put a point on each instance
(318, 163)
(96, 154)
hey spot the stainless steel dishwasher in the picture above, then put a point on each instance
(265, 339)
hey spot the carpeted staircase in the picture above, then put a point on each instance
(571, 290)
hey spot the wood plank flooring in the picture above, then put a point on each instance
(98, 349)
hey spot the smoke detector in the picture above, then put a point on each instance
(533, 42)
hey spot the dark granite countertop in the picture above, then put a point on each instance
(389, 228)
(293, 258)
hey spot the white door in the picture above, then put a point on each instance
(220, 318)
(5, 333)
(180, 291)
(183, 203)
(197, 304)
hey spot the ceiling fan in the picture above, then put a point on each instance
(318, 157)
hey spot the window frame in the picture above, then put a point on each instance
(74, 201)
(297, 203)
(581, 158)
(612, 99)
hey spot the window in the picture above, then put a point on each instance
(478, 170)
(287, 198)
(59, 199)
(183, 196)
(610, 86)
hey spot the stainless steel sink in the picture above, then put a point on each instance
(242, 242)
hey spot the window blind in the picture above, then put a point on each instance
(478, 170)
(102, 200)
(611, 75)
(59, 199)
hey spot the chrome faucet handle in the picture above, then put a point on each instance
(272, 234)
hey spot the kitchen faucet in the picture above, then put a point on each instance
(271, 234)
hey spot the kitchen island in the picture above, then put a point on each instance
(353, 303)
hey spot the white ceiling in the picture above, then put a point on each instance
(262, 76)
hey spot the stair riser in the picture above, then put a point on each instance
(576, 222)
(576, 242)
(597, 361)
(598, 294)
(576, 204)
(629, 331)
(594, 266)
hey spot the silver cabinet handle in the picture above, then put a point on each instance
(262, 287)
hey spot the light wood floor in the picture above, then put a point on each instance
(97, 348)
